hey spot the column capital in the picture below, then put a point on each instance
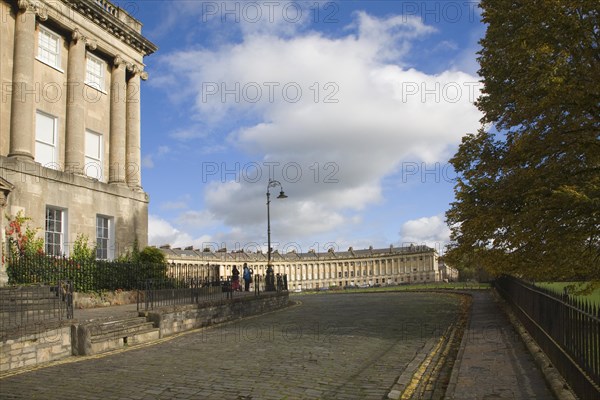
(136, 69)
(91, 44)
(119, 61)
(131, 67)
(77, 36)
(33, 6)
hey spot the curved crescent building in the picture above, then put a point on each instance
(312, 270)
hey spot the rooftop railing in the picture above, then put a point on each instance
(108, 7)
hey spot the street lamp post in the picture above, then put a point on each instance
(270, 279)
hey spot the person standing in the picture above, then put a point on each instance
(247, 277)
(235, 285)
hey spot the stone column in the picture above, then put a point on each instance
(22, 117)
(118, 112)
(134, 158)
(75, 118)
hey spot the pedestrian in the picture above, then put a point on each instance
(247, 278)
(235, 285)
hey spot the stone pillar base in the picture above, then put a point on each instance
(3, 276)
(20, 155)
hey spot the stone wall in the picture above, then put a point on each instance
(36, 348)
(177, 319)
(105, 299)
(54, 341)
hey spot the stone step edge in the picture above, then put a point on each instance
(120, 333)
(108, 323)
(114, 343)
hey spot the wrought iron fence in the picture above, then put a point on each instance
(167, 292)
(567, 330)
(191, 289)
(27, 309)
(88, 276)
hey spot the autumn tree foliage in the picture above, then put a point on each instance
(528, 189)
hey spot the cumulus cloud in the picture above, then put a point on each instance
(161, 232)
(345, 112)
(431, 231)
(196, 219)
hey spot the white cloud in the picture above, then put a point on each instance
(148, 161)
(391, 37)
(162, 232)
(194, 132)
(162, 150)
(431, 231)
(174, 205)
(342, 108)
(222, 19)
(196, 219)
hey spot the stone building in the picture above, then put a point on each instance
(312, 270)
(70, 74)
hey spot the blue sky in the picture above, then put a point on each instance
(354, 106)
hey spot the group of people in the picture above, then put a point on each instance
(246, 275)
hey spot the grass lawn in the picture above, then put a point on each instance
(435, 285)
(558, 287)
(418, 286)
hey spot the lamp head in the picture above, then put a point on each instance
(282, 195)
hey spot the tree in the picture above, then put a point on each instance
(528, 198)
(152, 255)
(83, 252)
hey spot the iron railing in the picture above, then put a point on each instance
(85, 276)
(28, 309)
(193, 290)
(567, 330)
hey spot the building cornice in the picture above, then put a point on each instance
(302, 258)
(108, 17)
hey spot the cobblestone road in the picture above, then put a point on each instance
(351, 346)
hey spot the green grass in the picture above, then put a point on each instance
(559, 287)
(436, 285)
(419, 286)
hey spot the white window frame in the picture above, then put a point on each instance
(94, 164)
(45, 54)
(110, 240)
(92, 78)
(62, 233)
(39, 142)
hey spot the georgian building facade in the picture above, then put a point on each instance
(70, 159)
(312, 270)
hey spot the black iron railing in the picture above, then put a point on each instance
(195, 290)
(29, 309)
(85, 276)
(566, 328)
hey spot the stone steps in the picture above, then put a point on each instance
(117, 327)
(27, 293)
(29, 304)
(101, 336)
(24, 307)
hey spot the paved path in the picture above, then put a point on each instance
(493, 362)
(351, 346)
